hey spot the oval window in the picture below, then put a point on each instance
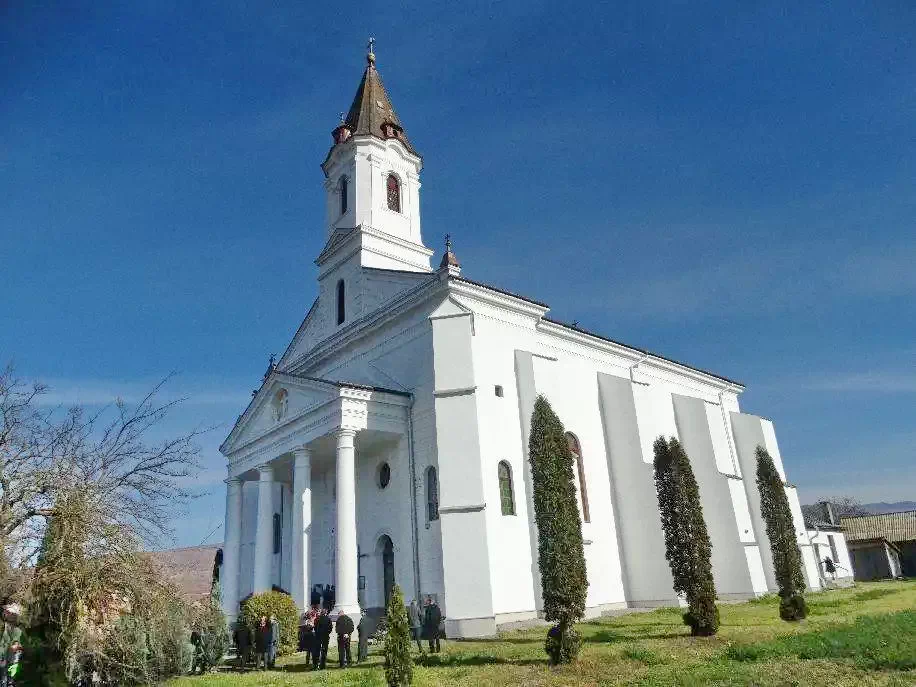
(384, 475)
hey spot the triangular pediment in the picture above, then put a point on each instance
(281, 399)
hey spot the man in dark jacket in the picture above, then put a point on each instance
(261, 642)
(431, 621)
(242, 643)
(323, 629)
(344, 631)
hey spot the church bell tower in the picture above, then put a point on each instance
(372, 180)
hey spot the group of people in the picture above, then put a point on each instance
(425, 623)
(315, 628)
(266, 642)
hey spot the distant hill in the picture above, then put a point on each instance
(883, 507)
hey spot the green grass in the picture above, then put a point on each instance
(858, 637)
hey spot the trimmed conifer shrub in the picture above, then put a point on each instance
(687, 545)
(398, 662)
(556, 512)
(774, 506)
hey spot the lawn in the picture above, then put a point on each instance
(861, 636)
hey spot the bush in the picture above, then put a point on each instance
(398, 663)
(210, 623)
(280, 605)
(774, 507)
(556, 511)
(687, 545)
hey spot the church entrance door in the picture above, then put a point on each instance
(387, 548)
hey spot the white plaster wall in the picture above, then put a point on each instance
(843, 561)
(571, 386)
(742, 511)
(755, 566)
(812, 573)
(384, 512)
(654, 415)
(511, 574)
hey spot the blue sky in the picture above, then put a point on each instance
(728, 185)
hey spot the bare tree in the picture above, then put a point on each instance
(47, 452)
(835, 506)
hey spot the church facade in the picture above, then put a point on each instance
(389, 442)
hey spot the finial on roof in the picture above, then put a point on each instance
(370, 55)
(271, 365)
(449, 259)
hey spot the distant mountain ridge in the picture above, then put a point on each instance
(884, 507)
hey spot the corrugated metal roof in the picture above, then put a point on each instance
(894, 527)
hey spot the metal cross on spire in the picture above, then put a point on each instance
(371, 47)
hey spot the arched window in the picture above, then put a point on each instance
(576, 450)
(506, 496)
(341, 302)
(342, 189)
(432, 494)
(394, 193)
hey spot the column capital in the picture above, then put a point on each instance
(302, 455)
(342, 432)
(266, 472)
(233, 482)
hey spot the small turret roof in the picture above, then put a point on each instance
(372, 109)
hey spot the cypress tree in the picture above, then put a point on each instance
(398, 663)
(556, 512)
(774, 506)
(687, 545)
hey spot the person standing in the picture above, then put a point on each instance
(416, 625)
(261, 643)
(274, 647)
(306, 637)
(344, 631)
(431, 620)
(830, 567)
(362, 630)
(313, 615)
(323, 628)
(242, 643)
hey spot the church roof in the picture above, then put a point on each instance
(372, 110)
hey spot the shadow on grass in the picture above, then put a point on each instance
(457, 660)
(878, 642)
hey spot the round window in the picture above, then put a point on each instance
(384, 475)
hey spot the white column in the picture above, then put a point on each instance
(302, 525)
(229, 575)
(263, 542)
(347, 600)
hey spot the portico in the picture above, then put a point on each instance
(294, 430)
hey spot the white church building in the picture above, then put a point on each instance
(388, 444)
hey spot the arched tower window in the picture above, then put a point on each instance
(341, 302)
(342, 188)
(393, 187)
(506, 495)
(432, 494)
(576, 450)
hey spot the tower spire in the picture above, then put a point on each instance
(371, 112)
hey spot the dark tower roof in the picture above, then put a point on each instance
(371, 112)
